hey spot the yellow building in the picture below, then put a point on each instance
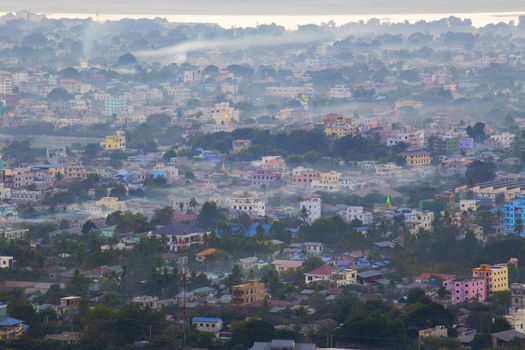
(338, 125)
(248, 293)
(110, 203)
(496, 277)
(9, 327)
(409, 103)
(115, 142)
(417, 158)
(331, 177)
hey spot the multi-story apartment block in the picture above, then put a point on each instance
(193, 76)
(446, 144)
(387, 170)
(351, 213)
(208, 129)
(419, 220)
(514, 217)
(414, 138)
(288, 91)
(340, 91)
(311, 205)
(22, 177)
(517, 293)
(263, 176)
(338, 125)
(417, 158)
(496, 277)
(304, 176)
(248, 203)
(503, 140)
(9, 327)
(315, 248)
(466, 290)
(248, 293)
(179, 93)
(276, 163)
(115, 142)
(331, 274)
(223, 112)
(115, 105)
(468, 204)
(327, 181)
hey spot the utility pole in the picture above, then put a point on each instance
(182, 263)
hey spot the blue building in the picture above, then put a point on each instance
(513, 214)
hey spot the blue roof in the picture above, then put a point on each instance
(9, 322)
(206, 319)
(252, 230)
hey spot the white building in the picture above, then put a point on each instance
(207, 324)
(313, 247)
(419, 220)
(468, 204)
(414, 138)
(288, 91)
(193, 76)
(6, 262)
(6, 84)
(501, 140)
(311, 205)
(223, 112)
(387, 170)
(179, 93)
(351, 213)
(248, 203)
(340, 91)
(207, 129)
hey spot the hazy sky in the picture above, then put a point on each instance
(283, 7)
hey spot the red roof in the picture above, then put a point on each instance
(429, 275)
(182, 217)
(322, 270)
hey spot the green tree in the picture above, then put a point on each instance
(79, 284)
(88, 227)
(162, 216)
(235, 276)
(209, 214)
(479, 171)
(245, 333)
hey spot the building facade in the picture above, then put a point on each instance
(496, 277)
(466, 290)
(311, 206)
(248, 293)
(514, 217)
(115, 142)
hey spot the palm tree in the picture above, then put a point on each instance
(235, 277)
(304, 214)
(193, 203)
(518, 227)
(300, 312)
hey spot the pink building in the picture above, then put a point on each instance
(466, 290)
(263, 176)
(302, 176)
